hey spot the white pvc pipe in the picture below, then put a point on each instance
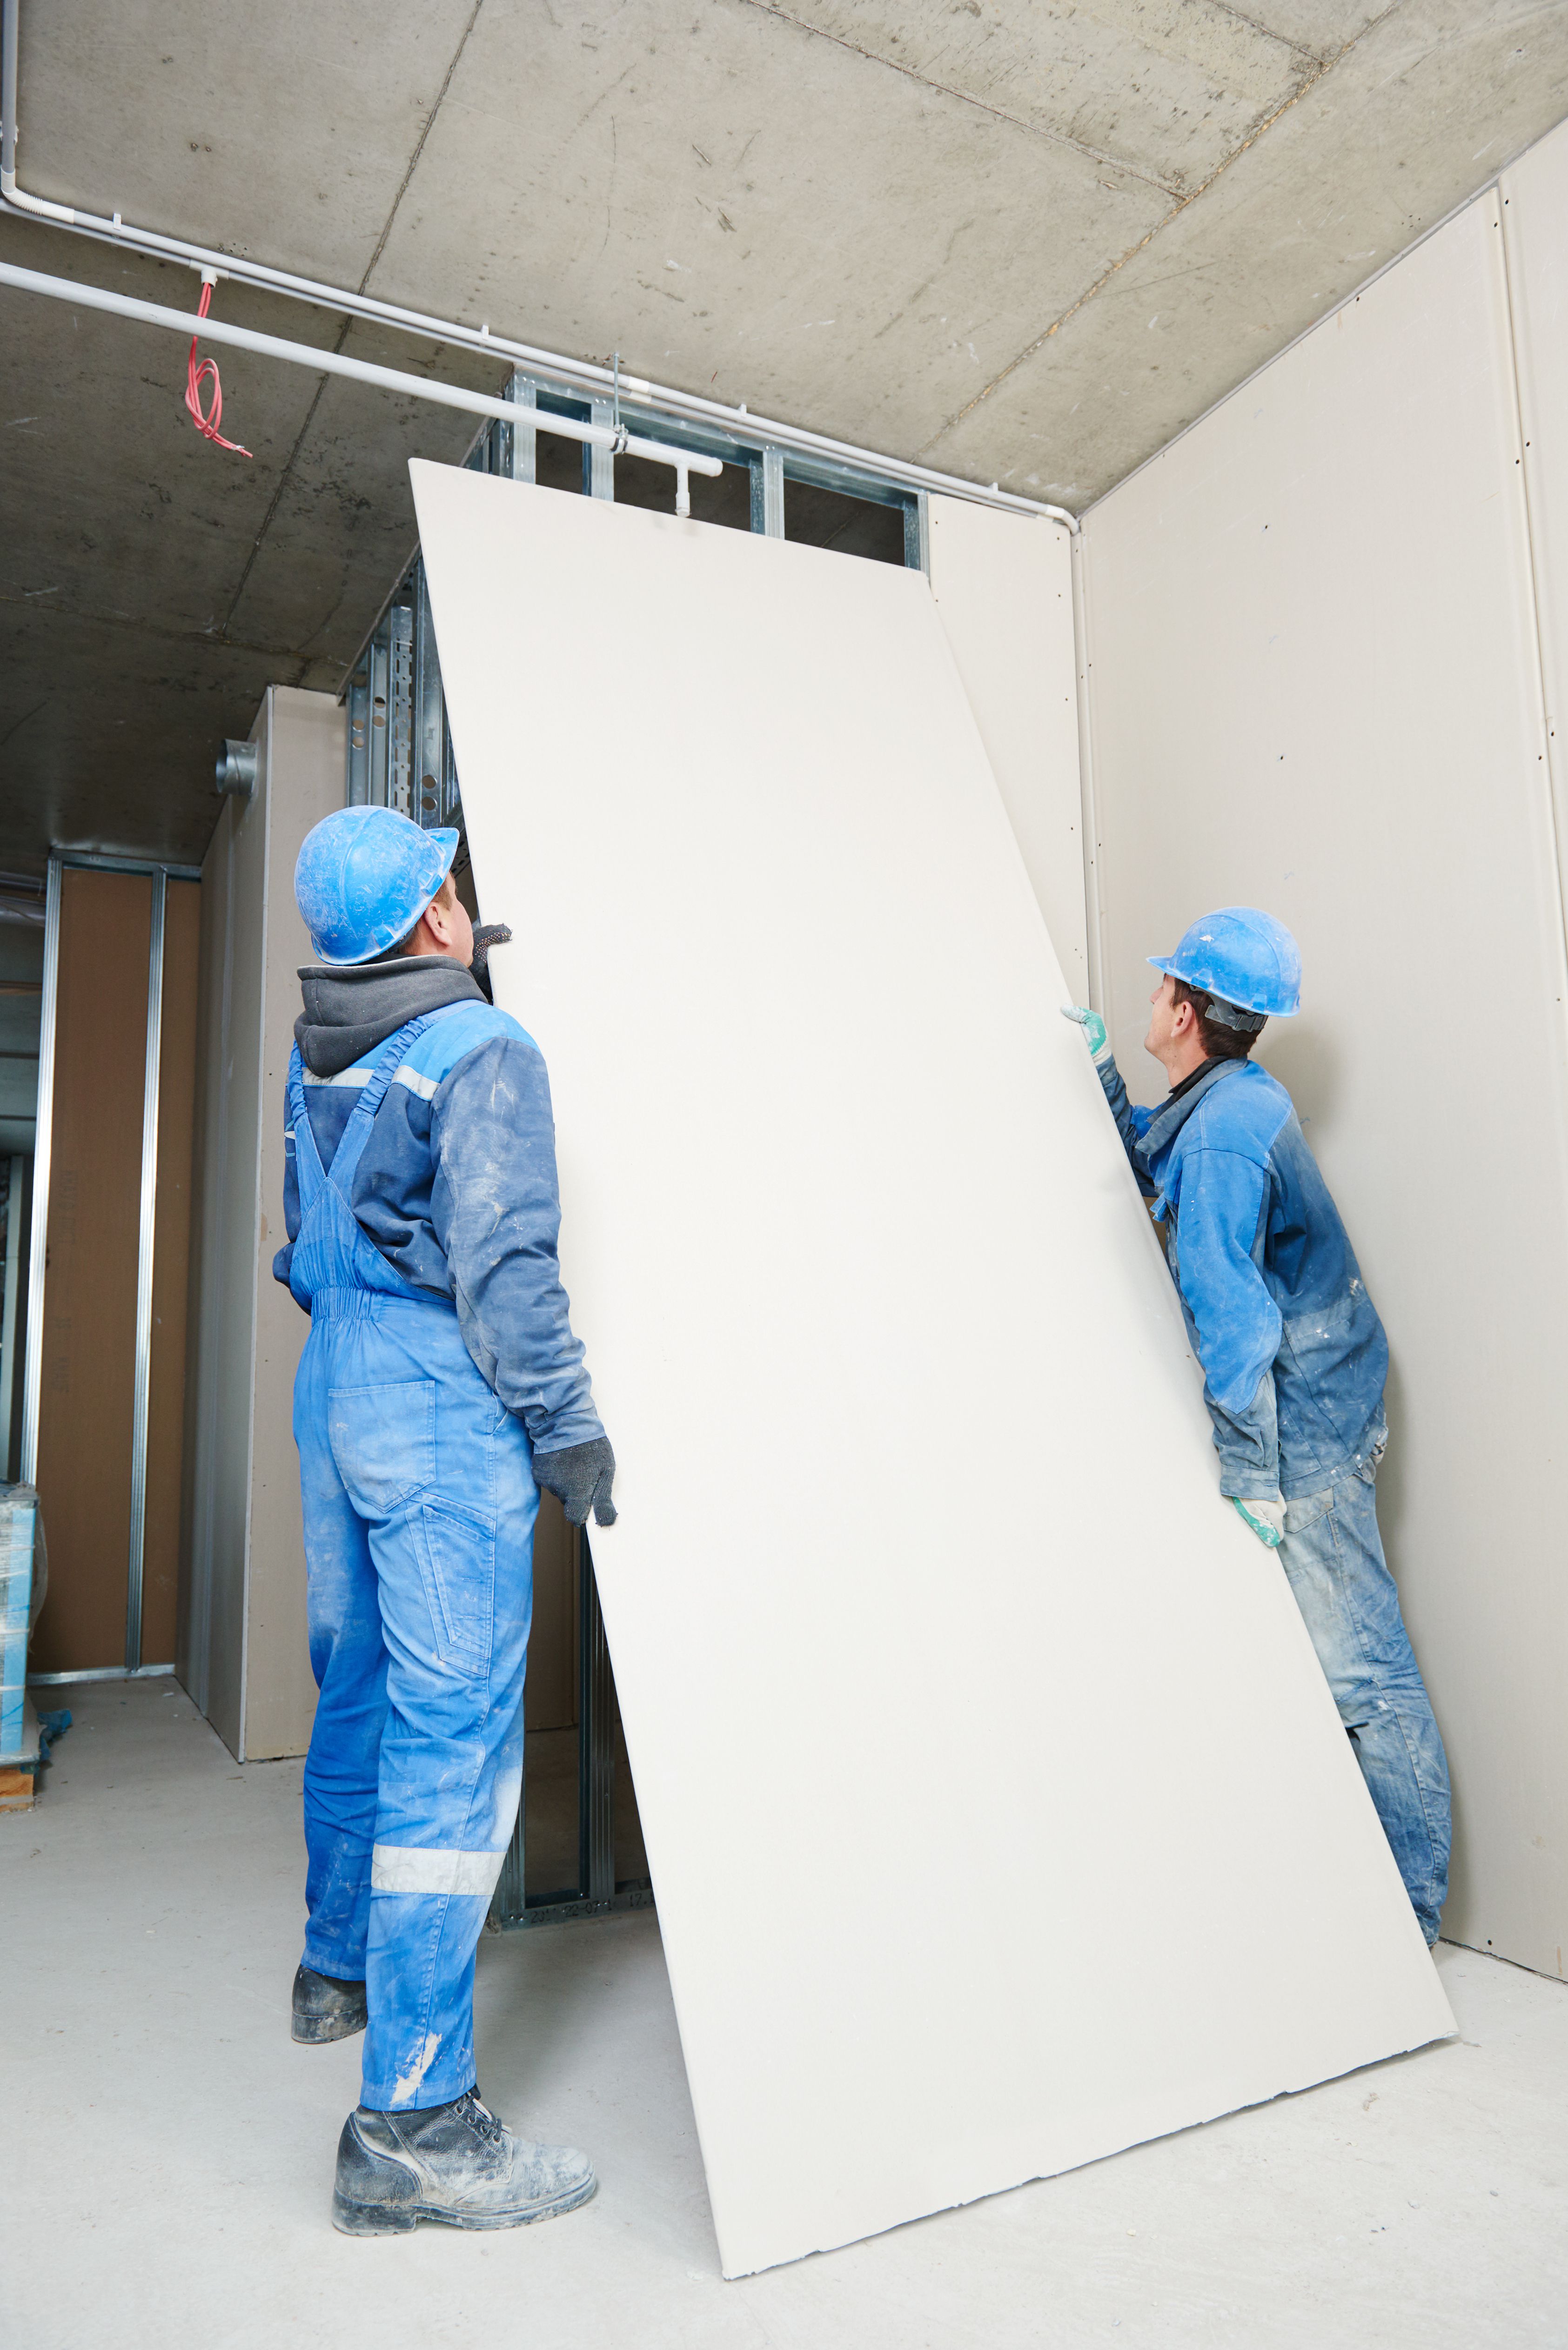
(414, 387)
(734, 423)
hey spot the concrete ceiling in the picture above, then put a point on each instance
(1020, 240)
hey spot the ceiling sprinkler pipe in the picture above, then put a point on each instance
(734, 423)
(413, 387)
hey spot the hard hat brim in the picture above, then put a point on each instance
(1171, 966)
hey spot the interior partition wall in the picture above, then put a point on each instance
(242, 1650)
(1328, 652)
(105, 1373)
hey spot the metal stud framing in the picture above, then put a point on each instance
(596, 1892)
(398, 743)
(144, 1275)
(38, 1256)
(768, 493)
(522, 441)
(595, 1748)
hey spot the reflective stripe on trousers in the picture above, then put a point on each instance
(419, 1505)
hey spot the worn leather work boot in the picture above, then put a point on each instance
(326, 2009)
(455, 2164)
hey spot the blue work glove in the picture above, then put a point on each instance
(1266, 1518)
(580, 1476)
(1093, 1029)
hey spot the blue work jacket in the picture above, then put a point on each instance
(1294, 1358)
(456, 1186)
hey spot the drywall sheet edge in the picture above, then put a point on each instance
(1003, 592)
(998, 1813)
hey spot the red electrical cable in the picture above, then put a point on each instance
(195, 376)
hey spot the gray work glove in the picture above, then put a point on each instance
(487, 935)
(580, 1476)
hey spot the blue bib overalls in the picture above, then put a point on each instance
(418, 1504)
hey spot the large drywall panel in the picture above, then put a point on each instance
(1003, 590)
(873, 1311)
(243, 1651)
(1314, 688)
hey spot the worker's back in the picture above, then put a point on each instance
(1232, 1171)
(456, 1185)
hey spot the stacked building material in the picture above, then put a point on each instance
(20, 1541)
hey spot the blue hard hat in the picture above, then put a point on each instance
(1242, 956)
(364, 877)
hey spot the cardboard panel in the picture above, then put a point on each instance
(1315, 689)
(88, 1380)
(871, 1301)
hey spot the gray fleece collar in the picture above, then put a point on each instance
(348, 1013)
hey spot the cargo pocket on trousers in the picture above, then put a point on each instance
(457, 1554)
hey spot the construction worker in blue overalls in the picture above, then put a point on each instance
(440, 1388)
(1294, 1354)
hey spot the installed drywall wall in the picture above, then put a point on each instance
(908, 1429)
(1316, 688)
(242, 1650)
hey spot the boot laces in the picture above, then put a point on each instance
(480, 2119)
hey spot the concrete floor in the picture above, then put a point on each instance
(171, 2152)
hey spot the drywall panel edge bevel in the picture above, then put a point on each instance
(1003, 593)
(1315, 687)
(952, 1895)
(1534, 214)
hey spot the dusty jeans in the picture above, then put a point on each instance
(1332, 1554)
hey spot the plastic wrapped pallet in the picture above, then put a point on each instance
(20, 1536)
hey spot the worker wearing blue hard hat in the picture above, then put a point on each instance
(440, 1388)
(363, 878)
(1294, 1354)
